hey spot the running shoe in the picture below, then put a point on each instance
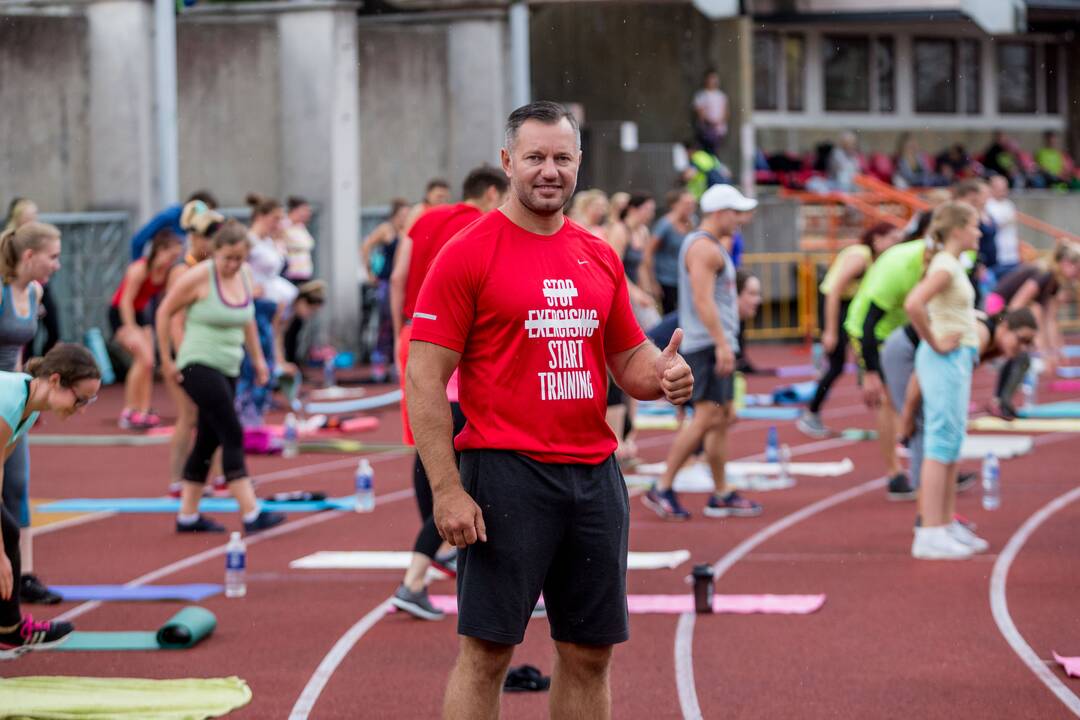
(33, 635)
(732, 505)
(417, 604)
(151, 419)
(810, 424)
(900, 488)
(665, 503)
(125, 419)
(964, 535)
(264, 521)
(202, 525)
(938, 543)
(966, 481)
(446, 563)
(35, 592)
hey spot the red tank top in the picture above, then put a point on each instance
(147, 291)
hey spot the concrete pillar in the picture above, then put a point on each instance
(1071, 67)
(121, 148)
(478, 72)
(730, 51)
(320, 145)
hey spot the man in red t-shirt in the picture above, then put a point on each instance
(533, 311)
(484, 189)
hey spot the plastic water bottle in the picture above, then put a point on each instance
(1030, 387)
(740, 390)
(365, 488)
(818, 355)
(290, 447)
(991, 482)
(235, 567)
(786, 480)
(772, 446)
(328, 372)
(378, 366)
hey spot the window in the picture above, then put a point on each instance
(935, 71)
(766, 71)
(885, 65)
(847, 61)
(794, 70)
(969, 78)
(1016, 77)
(1050, 70)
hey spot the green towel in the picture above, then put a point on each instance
(85, 698)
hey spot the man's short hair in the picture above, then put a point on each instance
(479, 180)
(436, 183)
(544, 111)
(968, 187)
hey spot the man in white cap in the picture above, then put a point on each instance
(709, 317)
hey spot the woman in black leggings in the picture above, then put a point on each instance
(219, 321)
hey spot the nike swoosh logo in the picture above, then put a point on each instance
(582, 262)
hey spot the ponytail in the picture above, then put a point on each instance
(261, 205)
(70, 361)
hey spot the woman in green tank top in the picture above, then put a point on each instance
(219, 321)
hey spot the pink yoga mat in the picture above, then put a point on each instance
(677, 604)
(1071, 664)
(1065, 385)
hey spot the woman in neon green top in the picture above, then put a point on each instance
(219, 321)
(839, 287)
(64, 381)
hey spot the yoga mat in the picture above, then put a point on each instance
(741, 475)
(799, 393)
(189, 593)
(810, 469)
(1065, 409)
(858, 434)
(1071, 351)
(347, 406)
(1065, 386)
(183, 630)
(1069, 371)
(678, 604)
(128, 439)
(336, 393)
(346, 445)
(994, 424)
(1071, 664)
(768, 413)
(398, 560)
(97, 698)
(976, 447)
(172, 505)
(793, 371)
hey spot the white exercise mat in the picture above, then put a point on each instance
(976, 447)
(809, 469)
(396, 560)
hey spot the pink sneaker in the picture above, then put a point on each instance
(125, 421)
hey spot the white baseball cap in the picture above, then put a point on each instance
(725, 197)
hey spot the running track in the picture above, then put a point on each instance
(896, 637)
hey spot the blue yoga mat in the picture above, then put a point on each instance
(769, 413)
(1069, 371)
(336, 407)
(796, 394)
(188, 593)
(172, 505)
(1071, 351)
(1067, 409)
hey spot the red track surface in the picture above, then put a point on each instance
(896, 637)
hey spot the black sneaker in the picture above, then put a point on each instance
(900, 488)
(202, 525)
(966, 480)
(264, 521)
(33, 635)
(417, 604)
(34, 592)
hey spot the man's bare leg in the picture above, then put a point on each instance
(475, 684)
(580, 687)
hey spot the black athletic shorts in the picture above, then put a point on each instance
(707, 384)
(142, 318)
(560, 529)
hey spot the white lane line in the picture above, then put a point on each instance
(684, 660)
(329, 664)
(211, 553)
(71, 522)
(1000, 607)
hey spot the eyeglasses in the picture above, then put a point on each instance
(81, 402)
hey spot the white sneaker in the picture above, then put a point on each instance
(960, 532)
(937, 543)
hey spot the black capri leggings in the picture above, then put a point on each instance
(428, 540)
(836, 362)
(214, 395)
(9, 609)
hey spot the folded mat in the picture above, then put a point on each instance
(189, 593)
(976, 447)
(172, 505)
(677, 604)
(86, 698)
(183, 630)
(399, 560)
(1065, 409)
(994, 424)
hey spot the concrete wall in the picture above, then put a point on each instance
(44, 81)
(229, 99)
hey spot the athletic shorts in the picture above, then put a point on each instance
(615, 394)
(557, 528)
(945, 381)
(707, 384)
(142, 318)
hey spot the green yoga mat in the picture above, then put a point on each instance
(184, 630)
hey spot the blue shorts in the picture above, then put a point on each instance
(945, 381)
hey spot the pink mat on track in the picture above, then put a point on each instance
(677, 604)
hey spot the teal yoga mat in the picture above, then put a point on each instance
(1067, 409)
(769, 413)
(184, 630)
(190, 593)
(172, 505)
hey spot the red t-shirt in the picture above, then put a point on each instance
(534, 318)
(429, 233)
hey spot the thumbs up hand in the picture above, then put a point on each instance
(676, 380)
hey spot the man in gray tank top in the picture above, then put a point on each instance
(709, 317)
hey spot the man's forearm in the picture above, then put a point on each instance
(638, 379)
(433, 431)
